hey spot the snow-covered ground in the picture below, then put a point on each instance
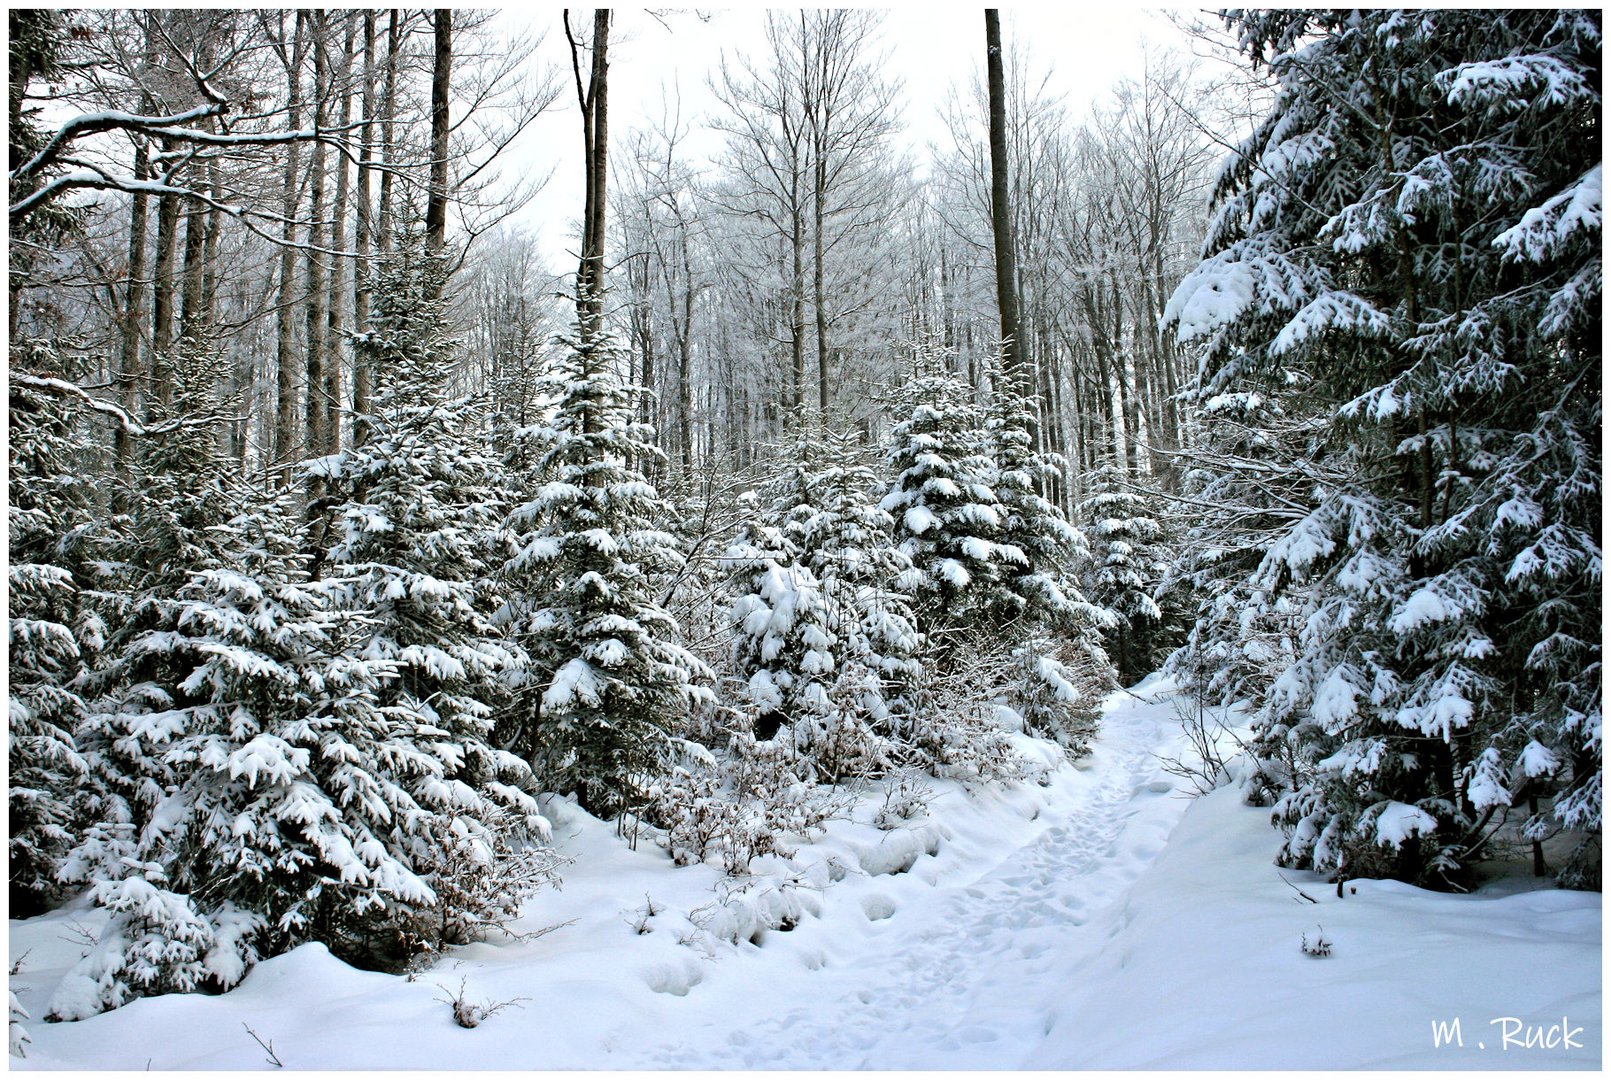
(1099, 921)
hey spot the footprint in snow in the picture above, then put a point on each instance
(877, 906)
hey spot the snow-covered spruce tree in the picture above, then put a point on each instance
(848, 540)
(1061, 666)
(197, 828)
(53, 630)
(610, 681)
(786, 650)
(178, 504)
(819, 613)
(137, 707)
(949, 521)
(1417, 225)
(1128, 564)
(412, 508)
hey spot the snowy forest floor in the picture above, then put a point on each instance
(1101, 920)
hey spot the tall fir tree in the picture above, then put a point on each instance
(610, 681)
(414, 509)
(1416, 225)
(948, 519)
(54, 629)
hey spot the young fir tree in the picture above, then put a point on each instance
(218, 679)
(1127, 568)
(139, 708)
(414, 506)
(786, 649)
(178, 500)
(1417, 224)
(949, 521)
(824, 502)
(54, 630)
(1062, 668)
(269, 764)
(610, 680)
(824, 640)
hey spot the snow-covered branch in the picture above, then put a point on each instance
(119, 415)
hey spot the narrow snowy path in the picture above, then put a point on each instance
(970, 978)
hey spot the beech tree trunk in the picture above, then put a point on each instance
(361, 234)
(594, 100)
(436, 204)
(285, 424)
(131, 373)
(338, 242)
(388, 128)
(317, 318)
(162, 297)
(1012, 364)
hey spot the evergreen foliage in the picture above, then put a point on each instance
(948, 519)
(1414, 233)
(589, 548)
(54, 632)
(822, 637)
(1128, 564)
(408, 579)
(277, 759)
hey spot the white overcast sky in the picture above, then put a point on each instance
(1083, 48)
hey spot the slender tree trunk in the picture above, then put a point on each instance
(285, 424)
(194, 302)
(318, 238)
(388, 132)
(685, 365)
(338, 242)
(162, 306)
(1001, 213)
(594, 100)
(819, 300)
(797, 303)
(192, 274)
(361, 228)
(131, 373)
(215, 235)
(436, 203)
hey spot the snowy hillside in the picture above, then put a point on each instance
(1099, 921)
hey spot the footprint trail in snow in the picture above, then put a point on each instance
(970, 977)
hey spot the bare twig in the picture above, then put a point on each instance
(1297, 890)
(268, 1047)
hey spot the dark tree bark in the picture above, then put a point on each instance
(285, 425)
(191, 303)
(1001, 216)
(361, 235)
(339, 292)
(797, 301)
(436, 204)
(131, 373)
(594, 101)
(317, 317)
(388, 129)
(162, 299)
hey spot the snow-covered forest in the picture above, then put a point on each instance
(1049, 597)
